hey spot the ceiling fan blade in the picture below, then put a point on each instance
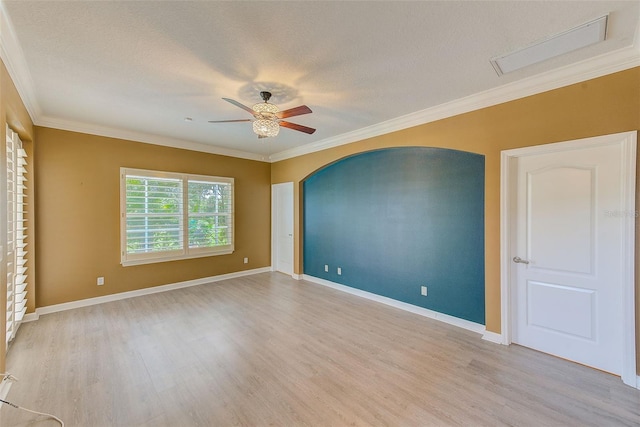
(237, 104)
(229, 121)
(297, 111)
(297, 127)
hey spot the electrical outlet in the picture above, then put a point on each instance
(100, 281)
(423, 291)
(339, 271)
(246, 260)
(326, 268)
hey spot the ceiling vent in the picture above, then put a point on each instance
(582, 36)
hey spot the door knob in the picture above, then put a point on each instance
(519, 260)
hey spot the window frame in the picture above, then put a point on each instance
(185, 252)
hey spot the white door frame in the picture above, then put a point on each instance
(628, 141)
(274, 225)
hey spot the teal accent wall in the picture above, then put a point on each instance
(396, 219)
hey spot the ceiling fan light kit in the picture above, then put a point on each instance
(265, 108)
(268, 117)
(266, 127)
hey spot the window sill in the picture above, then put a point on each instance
(130, 263)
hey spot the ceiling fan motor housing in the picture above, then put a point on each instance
(265, 96)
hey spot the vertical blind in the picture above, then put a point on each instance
(16, 256)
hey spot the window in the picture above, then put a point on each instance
(168, 216)
(16, 255)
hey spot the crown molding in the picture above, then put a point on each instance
(13, 58)
(134, 136)
(598, 66)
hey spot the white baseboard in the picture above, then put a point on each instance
(30, 317)
(293, 275)
(493, 337)
(451, 320)
(138, 292)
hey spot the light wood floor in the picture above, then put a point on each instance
(267, 350)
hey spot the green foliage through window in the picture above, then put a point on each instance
(155, 221)
(209, 210)
(154, 218)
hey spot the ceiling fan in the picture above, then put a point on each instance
(268, 118)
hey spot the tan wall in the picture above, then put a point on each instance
(77, 187)
(78, 205)
(606, 105)
(13, 113)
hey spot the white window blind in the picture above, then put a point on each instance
(16, 234)
(168, 216)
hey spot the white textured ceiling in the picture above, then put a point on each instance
(143, 66)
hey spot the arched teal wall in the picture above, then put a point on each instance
(397, 219)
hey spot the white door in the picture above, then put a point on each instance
(282, 227)
(570, 237)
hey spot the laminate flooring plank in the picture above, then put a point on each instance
(267, 350)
